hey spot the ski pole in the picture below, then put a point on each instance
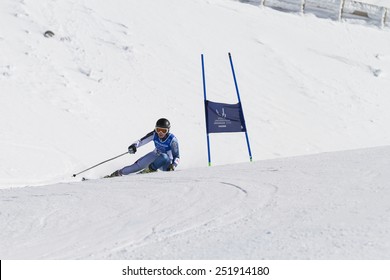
(74, 175)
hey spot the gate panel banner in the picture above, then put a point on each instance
(222, 117)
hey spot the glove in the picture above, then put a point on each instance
(132, 149)
(171, 167)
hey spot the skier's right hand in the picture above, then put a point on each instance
(132, 149)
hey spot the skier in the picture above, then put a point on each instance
(165, 156)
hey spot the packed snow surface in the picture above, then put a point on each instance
(327, 206)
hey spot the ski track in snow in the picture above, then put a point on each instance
(206, 210)
(328, 206)
(192, 206)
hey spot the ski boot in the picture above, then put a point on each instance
(148, 169)
(115, 174)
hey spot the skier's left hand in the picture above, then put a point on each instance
(132, 149)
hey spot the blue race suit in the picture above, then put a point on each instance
(166, 152)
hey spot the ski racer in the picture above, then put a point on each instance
(165, 156)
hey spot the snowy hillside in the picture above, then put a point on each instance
(308, 86)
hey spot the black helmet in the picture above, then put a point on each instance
(163, 123)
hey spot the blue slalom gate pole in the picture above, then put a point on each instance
(239, 101)
(205, 107)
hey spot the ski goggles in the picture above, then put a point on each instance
(161, 130)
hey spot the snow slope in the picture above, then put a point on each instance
(327, 206)
(307, 86)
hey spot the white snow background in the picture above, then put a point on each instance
(316, 99)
